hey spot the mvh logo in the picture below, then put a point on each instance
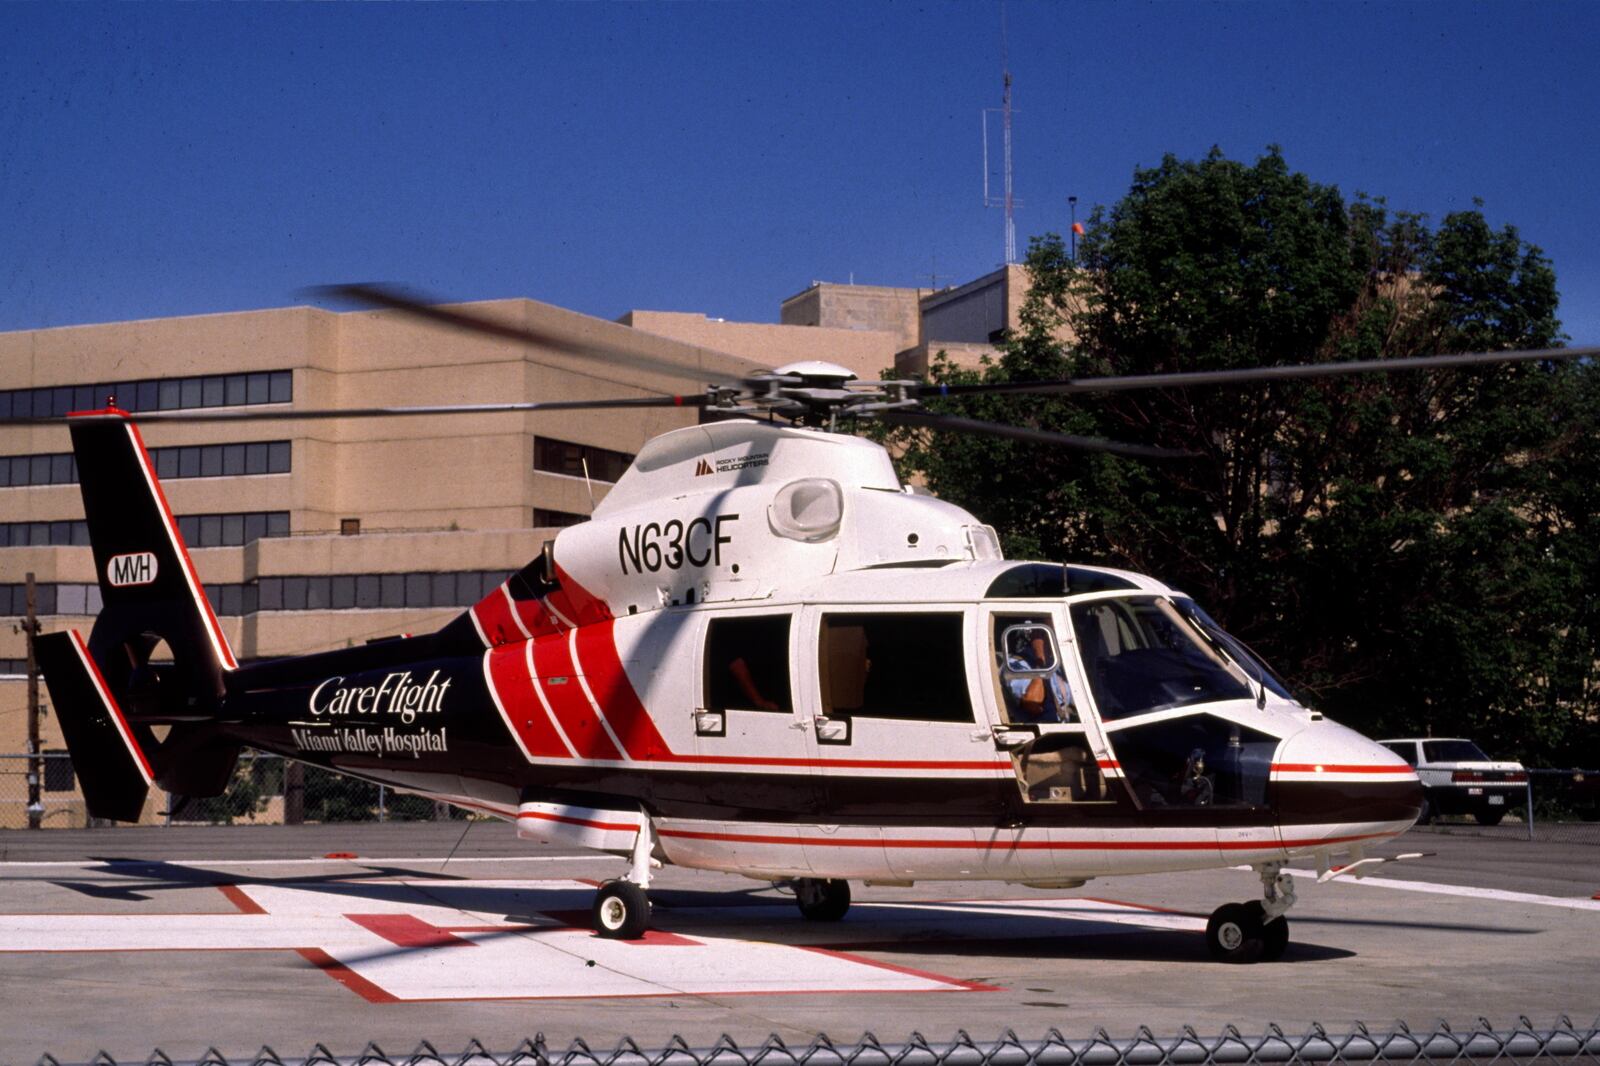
(702, 468)
(139, 568)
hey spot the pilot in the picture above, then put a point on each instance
(1037, 698)
(1196, 788)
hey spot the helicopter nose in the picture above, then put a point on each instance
(1331, 777)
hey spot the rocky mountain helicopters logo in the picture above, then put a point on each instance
(728, 466)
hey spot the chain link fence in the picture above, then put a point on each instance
(265, 790)
(1522, 1043)
(1559, 806)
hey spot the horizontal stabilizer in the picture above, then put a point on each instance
(112, 768)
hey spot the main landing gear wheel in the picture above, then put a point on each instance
(621, 910)
(822, 901)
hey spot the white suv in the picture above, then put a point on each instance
(1458, 778)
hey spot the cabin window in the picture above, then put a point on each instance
(747, 664)
(905, 666)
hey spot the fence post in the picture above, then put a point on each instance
(1530, 807)
(294, 793)
(35, 764)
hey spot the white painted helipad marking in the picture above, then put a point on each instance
(409, 941)
(1467, 891)
(228, 864)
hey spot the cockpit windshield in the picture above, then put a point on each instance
(1142, 654)
(1237, 649)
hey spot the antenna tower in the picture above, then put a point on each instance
(1007, 199)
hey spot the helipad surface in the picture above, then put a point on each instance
(132, 939)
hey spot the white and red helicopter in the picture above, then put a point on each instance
(763, 654)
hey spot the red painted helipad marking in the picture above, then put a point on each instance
(398, 941)
(240, 899)
(409, 931)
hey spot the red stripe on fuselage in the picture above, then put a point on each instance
(558, 677)
(494, 618)
(1020, 845)
(508, 666)
(542, 816)
(576, 602)
(1337, 768)
(608, 681)
(537, 618)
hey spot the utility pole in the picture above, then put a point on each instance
(1073, 201)
(30, 626)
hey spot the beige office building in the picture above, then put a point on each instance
(325, 533)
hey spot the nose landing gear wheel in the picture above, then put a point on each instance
(621, 910)
(1240, 932)
(822, 901)
(1234, 933)
(1274, 938)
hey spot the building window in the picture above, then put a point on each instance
(545, 518)
(40, 534)
(187, 461)
(565, 457)
(340, 592)
(316, 592)
(160, 394)
(231, 529)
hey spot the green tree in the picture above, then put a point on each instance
(1404, 546)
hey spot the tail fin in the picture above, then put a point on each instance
(108, 694)
(113, 770)
(147, 581)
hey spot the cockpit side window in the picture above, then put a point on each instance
(1023, 646)
(1140, 654)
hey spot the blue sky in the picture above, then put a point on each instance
(176, 159)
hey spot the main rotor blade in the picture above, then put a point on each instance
(1260, 373)
(928, 420)
(290, 415)
(428, 309)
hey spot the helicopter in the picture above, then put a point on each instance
(762, 654)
